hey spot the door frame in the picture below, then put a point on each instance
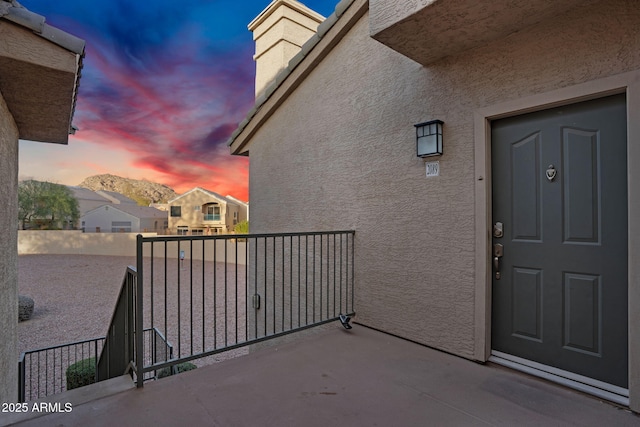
(628, 83)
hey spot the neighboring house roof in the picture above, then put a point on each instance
(116, 198)
(312, 53)
(134, 210)
(207, 192)
(82, 193)
(160, 206)
(14, 12)
(236, 200)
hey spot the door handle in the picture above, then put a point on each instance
(498, 250)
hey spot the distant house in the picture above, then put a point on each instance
(200, 211)
(124, 218)
(89, 199)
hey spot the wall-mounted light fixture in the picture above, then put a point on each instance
(429, 138)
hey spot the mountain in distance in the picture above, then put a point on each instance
(143, 192)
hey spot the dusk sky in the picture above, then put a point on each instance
(163, 86)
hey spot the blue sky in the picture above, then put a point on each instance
(163, 86)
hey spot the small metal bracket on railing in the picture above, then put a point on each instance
(344, 319)
(256, 301)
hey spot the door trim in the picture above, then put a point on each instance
(628, 83)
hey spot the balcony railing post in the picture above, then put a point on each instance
(97, 356)
(21, 380)
(353, 270)
(138, 352)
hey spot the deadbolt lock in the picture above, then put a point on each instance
(497, 230)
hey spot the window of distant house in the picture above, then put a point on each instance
(196, 208)
(212, 213)
(176, 210)
(121, 226)
(183, 230)
(197, 232)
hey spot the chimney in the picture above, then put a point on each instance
(279, 32)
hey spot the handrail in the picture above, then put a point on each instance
(44, 369)
(118, 350)
(175, 238)
(42, 372)
(212, 294)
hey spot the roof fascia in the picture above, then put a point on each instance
(182, 195)
(109, 205)
(202, 190)
(18, 14)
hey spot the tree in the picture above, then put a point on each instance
(50, 205)
(242, 227)
(27, 195)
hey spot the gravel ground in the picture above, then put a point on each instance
(74, 297)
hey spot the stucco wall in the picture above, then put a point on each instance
(9, 260)
(75, 242)
(340, 154)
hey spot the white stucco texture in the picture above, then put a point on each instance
(339, 154)
(9, 264)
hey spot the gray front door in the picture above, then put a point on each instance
(560, 191)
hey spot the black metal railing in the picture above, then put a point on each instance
(118, 354)
(212, 294)
(122, 345)
(43, 372)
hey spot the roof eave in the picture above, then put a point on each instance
(430, 30)
(13, 12)
(330, 32)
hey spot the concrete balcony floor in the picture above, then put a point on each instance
(360, 377)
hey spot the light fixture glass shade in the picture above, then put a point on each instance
(429, 138)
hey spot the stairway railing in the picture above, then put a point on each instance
(118, 354)
(43, 372)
